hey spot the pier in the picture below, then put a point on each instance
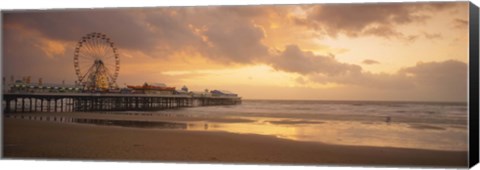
(96, 88)
(87, 102)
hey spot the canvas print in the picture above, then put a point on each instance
(372, 84)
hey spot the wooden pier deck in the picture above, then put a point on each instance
(85, 102)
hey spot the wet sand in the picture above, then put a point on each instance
(29, 139)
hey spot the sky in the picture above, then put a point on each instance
(375, 51)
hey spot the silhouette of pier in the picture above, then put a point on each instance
(87, 102)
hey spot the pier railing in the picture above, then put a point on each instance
(84, 102)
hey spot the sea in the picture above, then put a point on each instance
(416, 125)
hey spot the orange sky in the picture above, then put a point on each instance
(389, 51)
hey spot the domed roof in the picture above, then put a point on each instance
(185, 88)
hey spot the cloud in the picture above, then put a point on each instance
(293, 59)
(326, 69)
(370, 62)
(221, 34)
(446, 79)
(379, 19)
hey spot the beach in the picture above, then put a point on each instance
(33, 139)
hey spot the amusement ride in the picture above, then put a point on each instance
(96, 61)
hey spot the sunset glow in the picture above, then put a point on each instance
(408, 51)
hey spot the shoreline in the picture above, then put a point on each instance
(27, 139)
(286, 128)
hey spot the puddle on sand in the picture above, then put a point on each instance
(105, 122)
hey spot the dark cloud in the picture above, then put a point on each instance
(293, 59)
(377, 19)
(225, 34)
(445, 80)
(234, 36)
(370, 62)
(450, 74)
(23, 56)
(241, 44)
(122, 27)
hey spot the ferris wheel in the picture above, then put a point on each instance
(96, 61)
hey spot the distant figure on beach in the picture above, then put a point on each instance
(388, 119)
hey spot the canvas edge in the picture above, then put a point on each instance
(474, 85)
